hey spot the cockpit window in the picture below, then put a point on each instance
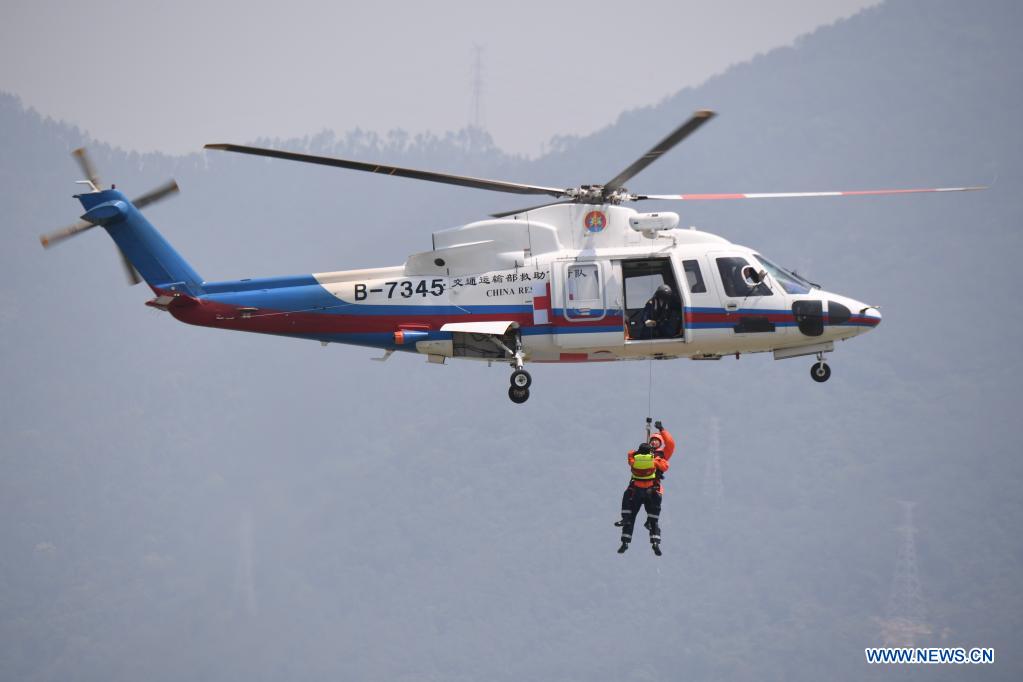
(735, 284)
(790, 282)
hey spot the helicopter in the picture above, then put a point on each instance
(582, 278)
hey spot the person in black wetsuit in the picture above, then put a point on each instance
(662, 315)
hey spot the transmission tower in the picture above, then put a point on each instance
(904, 622)
(713, 489)
(476, 88)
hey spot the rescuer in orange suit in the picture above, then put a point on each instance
(647, 463)
(663, 445)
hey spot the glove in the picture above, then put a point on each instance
(658, 425)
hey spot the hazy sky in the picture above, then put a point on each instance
(172, 76)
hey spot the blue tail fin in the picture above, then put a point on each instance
(155, 259)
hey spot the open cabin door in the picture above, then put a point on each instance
(641, 277)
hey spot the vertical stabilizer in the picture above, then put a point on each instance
(145, 248)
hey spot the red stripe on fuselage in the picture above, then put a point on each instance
(208, 313)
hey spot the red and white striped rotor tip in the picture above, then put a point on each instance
(804, 195)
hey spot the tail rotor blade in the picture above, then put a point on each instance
(56, 237)
(89, 169)
(164, 190)
(129, 269)
(85, 163)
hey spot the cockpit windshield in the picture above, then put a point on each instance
(791, 282)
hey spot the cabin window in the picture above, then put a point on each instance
(584, 292)
(694, 277)
(735, 284)
(583, 283)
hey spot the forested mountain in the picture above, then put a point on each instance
(179, 503)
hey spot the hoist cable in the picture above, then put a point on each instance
(650, 388)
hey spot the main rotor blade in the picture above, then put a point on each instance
(152, 196)
(85, 163)
(431, 176)
(505, 214)
(679, 134)
(57, 236)
(802, 195)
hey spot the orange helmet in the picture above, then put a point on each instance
(656, 441)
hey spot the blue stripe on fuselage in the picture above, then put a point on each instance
(263, 283)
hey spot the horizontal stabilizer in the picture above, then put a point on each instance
(106, 212)
(165, 302)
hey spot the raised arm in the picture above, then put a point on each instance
(669, 443)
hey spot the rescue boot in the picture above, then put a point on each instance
(655, 535)
(625, 546)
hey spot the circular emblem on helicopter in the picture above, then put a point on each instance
(595, 221)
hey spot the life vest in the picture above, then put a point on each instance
(643, 467)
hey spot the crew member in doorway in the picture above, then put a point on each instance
(662, 315)
(648, 465)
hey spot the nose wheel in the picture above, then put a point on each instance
(519, 390)
(520, 379)
(821, 371)
(518, 395)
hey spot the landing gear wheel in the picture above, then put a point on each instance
(820, 372)
(518, 395)
(520, 379)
